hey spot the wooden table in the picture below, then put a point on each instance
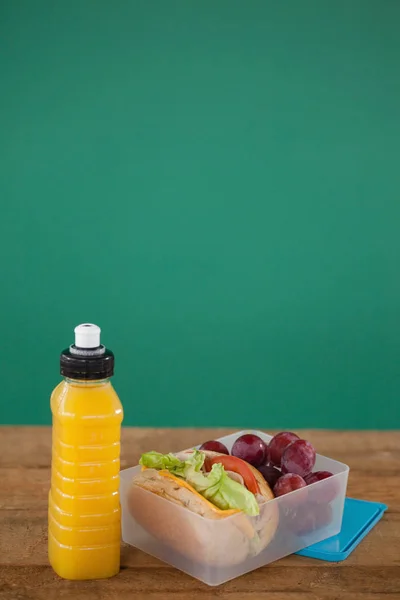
(371, 572)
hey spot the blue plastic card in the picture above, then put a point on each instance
(359, 517)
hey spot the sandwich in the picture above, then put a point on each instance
(212, 508)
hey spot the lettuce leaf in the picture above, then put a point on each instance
(155, 460)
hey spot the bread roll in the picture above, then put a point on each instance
(188, 523)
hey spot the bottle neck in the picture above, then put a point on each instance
(87, 382)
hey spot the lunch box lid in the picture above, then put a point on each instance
(359, 517)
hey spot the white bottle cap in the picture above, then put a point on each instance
(87, 335)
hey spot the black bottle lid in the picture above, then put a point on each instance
(87, 359)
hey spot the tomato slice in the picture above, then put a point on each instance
(237, 465)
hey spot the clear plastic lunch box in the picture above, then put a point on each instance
(217, 550)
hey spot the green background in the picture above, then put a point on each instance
(216, 184)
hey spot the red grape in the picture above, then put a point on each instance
(214, 446)
(251, 448)
(278, 445)
(298, 458)
(288, 483)
(270, 474)
(328, 492)
(309, 517)
(323, 515)
(317, 476)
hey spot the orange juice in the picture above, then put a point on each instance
(84, 525)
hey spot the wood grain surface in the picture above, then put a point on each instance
(371, 572)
